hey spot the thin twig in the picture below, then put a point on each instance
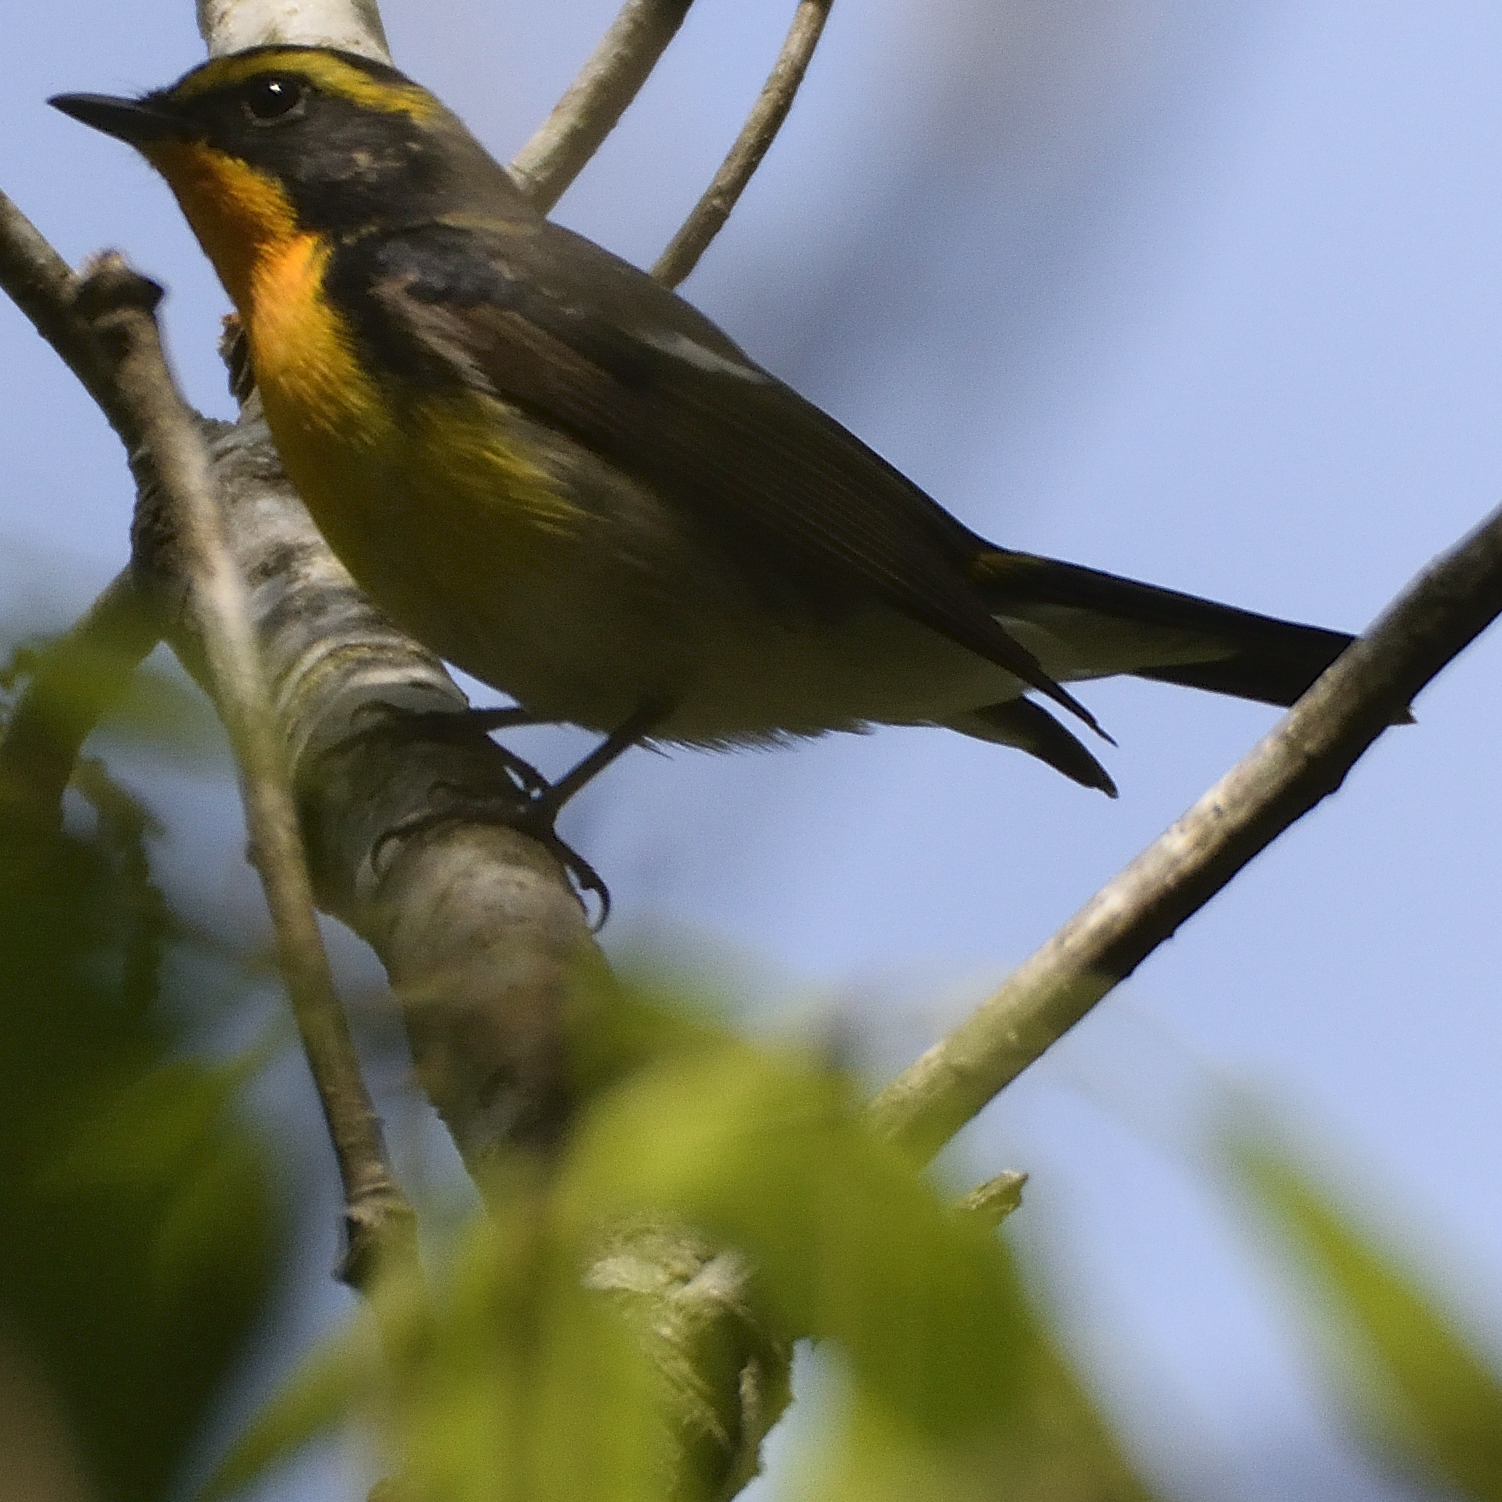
(1303, 759)
(120, 306)
(79, 676)
(105, 331)
(990, 1203)
(745, 156)
(609, 80)
(74, 681)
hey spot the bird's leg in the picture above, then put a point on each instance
(544, 799)
(459, 726)
(509, 817)
(639, 725)
(505, 719)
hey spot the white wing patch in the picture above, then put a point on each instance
(681, 347)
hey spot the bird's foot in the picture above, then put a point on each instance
(452, 726)
(524, 817)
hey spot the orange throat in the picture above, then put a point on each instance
(240, 216)
(316, 396)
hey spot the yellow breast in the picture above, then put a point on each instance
(304, 356)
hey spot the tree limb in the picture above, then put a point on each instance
(42, 285)
(404, 806)
(485, 944)
(500, 984)
(350, 25)
(610, 79)
(172, 464)
(1301, 761)
(751, 145)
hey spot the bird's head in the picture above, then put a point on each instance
(281, 141)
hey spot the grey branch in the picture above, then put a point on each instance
(488, 952)
(172, 466)
(404, 818)
(610, 79)
(351, 25)
(1301, 761)
(745, 156)
(78, 678)
(405, 807)
(42, 285)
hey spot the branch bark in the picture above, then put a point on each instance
(350, 25)
(610, 79)
(485, 945)
(403, 808)
(172, 466)
(1302, 760)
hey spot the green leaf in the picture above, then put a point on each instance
(505, 1380)
(141, 1232)
(156, 710)
(1419, 1390)
(768, 1155)
(514, 1376)
(316, 1398)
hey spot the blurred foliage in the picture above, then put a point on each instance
(140, 1235)
(1421, 1396)
(152, 710)
(510, 1379)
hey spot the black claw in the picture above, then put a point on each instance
(532, 820)
(536, 821)
(586, 878)
(455, 726)
(538, 802)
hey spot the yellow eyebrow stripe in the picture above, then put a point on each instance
(330, 74)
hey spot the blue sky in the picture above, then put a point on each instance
(1207, 295)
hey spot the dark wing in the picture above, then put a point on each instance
(553, 324)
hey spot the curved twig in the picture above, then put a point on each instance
(105, 330)
(607, 83)
(1301, 760)
(80, 675)
(43, 285)
(745, 156)
(172, 461)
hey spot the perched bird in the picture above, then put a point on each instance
(559, 476)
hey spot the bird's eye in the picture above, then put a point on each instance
(268, 101)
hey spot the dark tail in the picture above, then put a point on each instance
(1247, 655)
